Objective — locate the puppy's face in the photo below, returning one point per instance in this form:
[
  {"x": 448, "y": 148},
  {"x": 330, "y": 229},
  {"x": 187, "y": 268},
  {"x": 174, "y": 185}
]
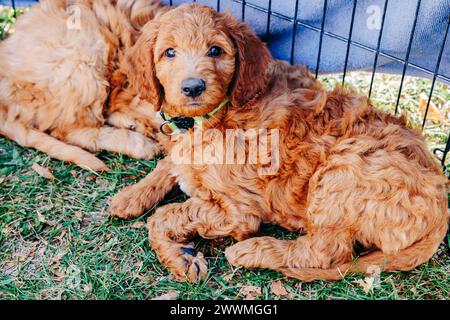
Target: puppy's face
[
  {"x": 195, "y": 62},
  {"x": 191, "y": 58}
]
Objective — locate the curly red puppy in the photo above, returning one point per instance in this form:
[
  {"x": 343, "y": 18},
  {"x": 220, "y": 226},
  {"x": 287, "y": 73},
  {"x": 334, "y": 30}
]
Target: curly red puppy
[{"x": 346, "y": 171}]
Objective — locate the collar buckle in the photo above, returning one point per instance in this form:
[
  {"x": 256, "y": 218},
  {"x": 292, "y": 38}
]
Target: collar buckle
[{"x": 163, "y": 131}]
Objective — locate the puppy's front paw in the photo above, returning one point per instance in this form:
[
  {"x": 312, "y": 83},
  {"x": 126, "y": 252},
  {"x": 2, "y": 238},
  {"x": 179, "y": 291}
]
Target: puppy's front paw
[
  {"x": 193, "y": 267},
  {"x": 127, "y": 204},
  {"x": 185, "y": 263}
]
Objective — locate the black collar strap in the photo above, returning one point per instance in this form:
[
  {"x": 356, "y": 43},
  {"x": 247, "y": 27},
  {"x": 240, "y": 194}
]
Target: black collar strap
[{"x": 180, "y": 125}]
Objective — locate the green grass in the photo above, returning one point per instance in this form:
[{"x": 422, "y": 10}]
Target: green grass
[
  {"x": 58, "y": 242},
  {"x": 7, "y": 19}
]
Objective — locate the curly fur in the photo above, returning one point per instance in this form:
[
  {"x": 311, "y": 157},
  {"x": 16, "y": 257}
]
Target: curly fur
[{"x": 348, "y": 172}]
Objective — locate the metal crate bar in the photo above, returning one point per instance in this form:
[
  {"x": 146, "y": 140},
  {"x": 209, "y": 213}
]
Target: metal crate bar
[
  {"x": 322, "y": 29},
  {"x": 343, "y": 39},
  {"x": 408, "y": 52},
  {"x": 438, "y": 65},
  {"x": 377, "y": 54},
  {"x": 352, "y": 22},
  {"x": 269, "y": 16},
  {"x": 294, "y": 32},
  {"x": 444, "y": 152}
]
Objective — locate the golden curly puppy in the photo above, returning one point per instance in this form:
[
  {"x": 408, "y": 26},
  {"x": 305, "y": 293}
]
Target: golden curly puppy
[
  {"x": 337, "y": 170},
  {"x": 56, "y": 75}
]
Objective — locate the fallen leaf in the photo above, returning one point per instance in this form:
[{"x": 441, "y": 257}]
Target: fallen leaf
[
  {"x": 156, "y": 281},
  {"x": 143, "y": 278},
  {"x": 56, "y": 270},
  {"x": 42, "y": 172},
  {"x": 364, "y": 285},
  {"x": 138, "y": 225},
  {"x": 278, "y": 289},
  {"x": 228, "y": 277},
  {"x": 78, "y": 214},
  {"x": 41, "y": 217},
  {"x": 91, "y": 177},
  {"x": 101, "y": 182},
  {"x": 374, "y": 271},
  {"x": 58, "y": 256},
  {"x": 250, "y": 292},
  {"x": 372, "y": 281},
  {"x": 433, "y": 114},
  {"x": 171, "y": 295},
  {"x": 87, "y": 288}
]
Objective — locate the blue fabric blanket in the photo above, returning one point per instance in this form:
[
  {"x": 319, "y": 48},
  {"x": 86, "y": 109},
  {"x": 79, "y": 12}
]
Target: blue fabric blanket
[{"x": 433, "y": 17}]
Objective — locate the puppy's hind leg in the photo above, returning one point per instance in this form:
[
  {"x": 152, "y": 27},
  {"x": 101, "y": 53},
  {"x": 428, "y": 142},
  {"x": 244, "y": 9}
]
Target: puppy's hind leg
[
  {"x": 132, "y": 144},
  {"x": 38, "y": 140},
  {"x": 329, "y": 234},
  {"x": 321, "y": 250}
]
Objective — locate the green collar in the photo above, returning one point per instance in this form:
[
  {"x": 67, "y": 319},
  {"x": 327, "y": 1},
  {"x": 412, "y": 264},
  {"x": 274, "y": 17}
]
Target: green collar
[{"x": 179, "y": 125}]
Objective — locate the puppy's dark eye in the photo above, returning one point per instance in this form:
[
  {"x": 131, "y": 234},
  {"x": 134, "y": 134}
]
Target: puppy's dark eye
[
  {"x": 170, "y": 53},
  {"x": 215, "y": 52}
]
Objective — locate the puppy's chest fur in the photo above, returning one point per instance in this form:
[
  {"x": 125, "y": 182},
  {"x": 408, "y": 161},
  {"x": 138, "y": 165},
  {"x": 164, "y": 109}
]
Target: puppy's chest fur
[{"x": 203, "y": 170}]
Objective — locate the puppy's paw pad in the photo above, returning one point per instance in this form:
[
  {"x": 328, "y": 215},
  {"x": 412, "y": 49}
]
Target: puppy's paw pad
[{"x": 189, "y": 251}]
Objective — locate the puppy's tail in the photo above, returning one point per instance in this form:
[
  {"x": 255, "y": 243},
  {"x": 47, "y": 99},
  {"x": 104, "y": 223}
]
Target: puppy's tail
[
  {"x": 38, "y": 140},
  {"x": 406, "y": 259}
]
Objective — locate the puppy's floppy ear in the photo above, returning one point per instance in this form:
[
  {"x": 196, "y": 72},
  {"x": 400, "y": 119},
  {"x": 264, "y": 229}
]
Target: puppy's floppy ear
[
  {"x": 253, "y": 59},
  {"x": 139, "y": 65}
]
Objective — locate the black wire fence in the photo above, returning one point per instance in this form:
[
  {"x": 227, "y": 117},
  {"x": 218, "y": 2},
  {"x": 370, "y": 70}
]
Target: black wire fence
[{"x": 272, "y": 16}]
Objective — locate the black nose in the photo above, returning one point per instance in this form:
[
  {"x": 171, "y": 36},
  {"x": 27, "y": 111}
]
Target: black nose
[{"x": 193, "y": 87}]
